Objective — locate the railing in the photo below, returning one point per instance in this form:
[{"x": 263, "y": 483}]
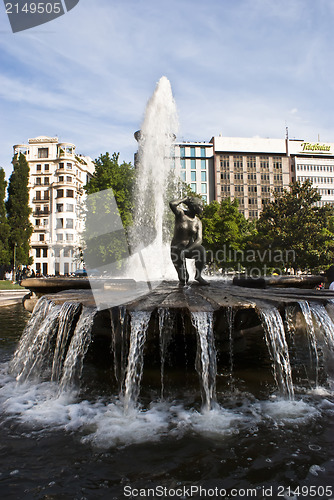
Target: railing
[
  {"x": 41, "y": 213},
  {"x": 40, "y": 200}
]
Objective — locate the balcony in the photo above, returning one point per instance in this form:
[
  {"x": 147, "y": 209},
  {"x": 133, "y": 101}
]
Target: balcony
[
  {"x": 64, "y": 183},
  {"x": 41, "y": 213},
  {"x": 40, "y": 200}
]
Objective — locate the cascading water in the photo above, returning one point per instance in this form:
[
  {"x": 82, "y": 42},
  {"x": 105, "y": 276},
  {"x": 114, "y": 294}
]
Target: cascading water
[
  {"x": 206, "y": 363},
  {"x": 134, "y": 373},
  {"x": 230, "y": 321},
  {"x": 28, "y": 339},
  {"x": 77, "y": 349},
  {"x": 314, "y": 358},
  {"x": 278, "y": 349},
  {"x": 53, "y": 344},
  {"x": 66, "y": 321},
  {"x": 324, "y": 322},
  {"x": 166, "y": 326},
  {"x": 32, "y": 356},
  {"x": 156, "y": 186}
]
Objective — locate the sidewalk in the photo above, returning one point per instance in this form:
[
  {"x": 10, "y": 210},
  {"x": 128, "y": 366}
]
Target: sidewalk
[{"x": 10, "y": 297}]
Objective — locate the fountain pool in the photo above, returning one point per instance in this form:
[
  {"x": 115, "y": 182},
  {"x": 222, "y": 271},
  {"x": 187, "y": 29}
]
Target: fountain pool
[{"x": 79, "y": 442}]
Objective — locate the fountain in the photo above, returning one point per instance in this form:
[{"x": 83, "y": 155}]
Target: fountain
[
  {"x": 138, "y": 384},
  {"x": 151, "y": 325}
]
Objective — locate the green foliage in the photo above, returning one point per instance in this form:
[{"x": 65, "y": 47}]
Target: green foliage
[
  {"x": 120, "y": 178},
  {"x": 18, "y": 210},
  {"x": 110, "y": 182},
  {"x": 225, "y": 232},
  {"x": 298, "y": 233},
  {"x": 4, "y": 226}
]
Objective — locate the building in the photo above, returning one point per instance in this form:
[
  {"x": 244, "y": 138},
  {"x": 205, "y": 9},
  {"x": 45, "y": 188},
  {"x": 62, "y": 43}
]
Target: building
[
  {"x": 194, "y": 164},
  {"x": 253, "y": 170},
  {"x": 250, "y": 170},
  {"x": 314, "y": 161},
  {"x": 57, "y": 177}
]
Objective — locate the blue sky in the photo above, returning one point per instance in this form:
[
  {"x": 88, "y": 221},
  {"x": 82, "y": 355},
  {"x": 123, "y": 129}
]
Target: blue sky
[{"x": 237, "y": 67}]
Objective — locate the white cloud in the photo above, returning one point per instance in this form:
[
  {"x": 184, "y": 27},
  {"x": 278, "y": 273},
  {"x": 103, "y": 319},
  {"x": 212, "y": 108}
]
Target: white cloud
[{"x": 240, "y": 68}]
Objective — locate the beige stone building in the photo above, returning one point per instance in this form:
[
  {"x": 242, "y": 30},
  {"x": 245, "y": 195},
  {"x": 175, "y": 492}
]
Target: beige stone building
[{"x": 57, "y": 177}]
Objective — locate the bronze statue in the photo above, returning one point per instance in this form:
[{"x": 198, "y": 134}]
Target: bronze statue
[{"x": 187, "y": 239}]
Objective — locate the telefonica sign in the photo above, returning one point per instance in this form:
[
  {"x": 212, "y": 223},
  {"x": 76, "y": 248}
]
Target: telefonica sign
[
  {"x": 321, "y": 148},
  {"x": 23, "y": 14}
]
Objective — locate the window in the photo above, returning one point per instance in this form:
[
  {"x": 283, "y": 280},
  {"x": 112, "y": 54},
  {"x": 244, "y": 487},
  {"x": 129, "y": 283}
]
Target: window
[
  {"x": 193, "y": 187},
  {"x": 59, "y": 223},
  {"x": 38, "y": 253},
  {"x": 183, "y": 176},
  {"x": 45, "y": 252},
  {"x": 38, "y": 195},
  {"x": 182, "y": 152},
  {"x": 192, "y": 152},
  {"x": 45, "y": 222},
  {"x": 237, "y": 161},
  {"x": 57, "y": 252},
  {"x": 68, "y": 178},
  {"x": 225, "y": 161},
  {"x": 61, "y": 178},
  {"x": 69, "y": 207},
  {"x": 46, "y": 181},
  {"x": 60, "y": 193},
  {"x": 69, "y": 223},
  {"x": 193, "y": 176},
  {"x": 203, "y": 188},
  {"x": 41, "y": 237},
  {"x": 192, "y": 164},
  {"x": 69, "y": 193},
  {"x": 264, "y": 162},
  {"x": 69, "y": 237},
  {"x": 203, "y": 176},
  {"x": 43, "y": 152},
  {"x": 59, "y": 207},
  {"x": 251, "y": 162},
  {"x": 38, "y": 168},
  {"x": 46, "y": 167},
  {"x": 61, "y": 165},
  {"x": 203, "y": 164},
  {"x": 67, "y": 252},
  {"x": 183, "y": 163},
  {"x": 38, "y": 181},
  {"x": 205, "y": 198},
  {"x": 60, "y": 237},
  {"x": 37, "y": 222},
  {"x": 69, "y": 166},
  {"x": 202, "y": 151}
]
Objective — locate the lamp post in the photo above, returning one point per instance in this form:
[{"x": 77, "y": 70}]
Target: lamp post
[{"x": 14, "y": 270}]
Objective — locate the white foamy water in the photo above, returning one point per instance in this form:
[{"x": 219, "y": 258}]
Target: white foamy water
[{"x": 105, "y": 424}]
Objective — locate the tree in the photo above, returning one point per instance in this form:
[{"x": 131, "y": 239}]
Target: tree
[
  {"x": 295, "y": 232},
  {"x": 225, "y": 231},
  {"x": 105, "y": 238},
  {"x": 18, "y": 210},
  {"x": 4, "y": 226},
  {"x": 120, "y": 178}
]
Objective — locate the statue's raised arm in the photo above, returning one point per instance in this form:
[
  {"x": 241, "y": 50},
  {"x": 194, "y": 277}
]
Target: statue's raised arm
[{"x": 187, "y": 239}]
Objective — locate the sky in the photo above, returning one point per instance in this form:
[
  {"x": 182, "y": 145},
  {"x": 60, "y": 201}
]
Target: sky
[{"x": 240, "y": 68}]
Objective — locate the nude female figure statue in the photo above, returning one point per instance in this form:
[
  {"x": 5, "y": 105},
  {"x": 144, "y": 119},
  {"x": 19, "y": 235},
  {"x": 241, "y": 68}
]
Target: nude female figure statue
[{"x": 187, "y": 239}]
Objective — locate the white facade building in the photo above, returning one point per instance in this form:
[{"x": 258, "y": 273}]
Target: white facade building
[
  {"x": 314, "y": 161},
  {"x": 57, "y": 177}
]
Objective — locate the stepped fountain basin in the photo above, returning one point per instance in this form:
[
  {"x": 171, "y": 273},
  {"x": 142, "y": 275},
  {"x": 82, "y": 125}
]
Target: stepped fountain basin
[{"x": 257, "y": 333}]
